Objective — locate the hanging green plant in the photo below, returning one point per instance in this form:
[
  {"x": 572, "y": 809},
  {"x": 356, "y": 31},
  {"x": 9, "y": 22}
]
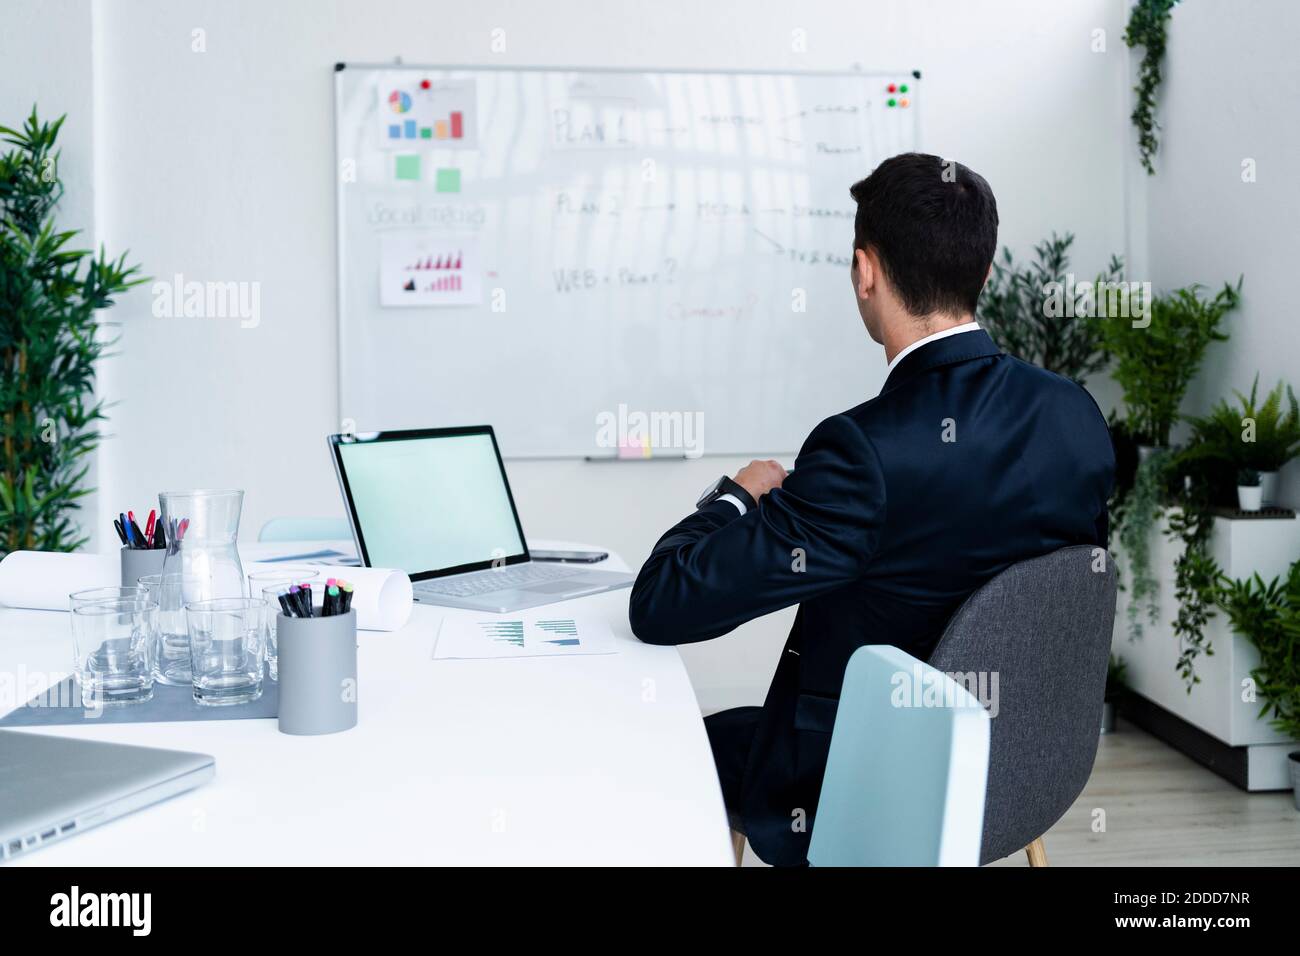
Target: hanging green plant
[
  {"x": 1196, "y": 577},
  {"x": 1135, "y": 515},
  {"x": 1148, "y": 26}
]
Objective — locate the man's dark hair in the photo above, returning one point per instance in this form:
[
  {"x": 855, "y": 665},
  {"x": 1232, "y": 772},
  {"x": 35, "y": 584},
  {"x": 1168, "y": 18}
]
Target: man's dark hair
[{"x": 934, "y": 225}]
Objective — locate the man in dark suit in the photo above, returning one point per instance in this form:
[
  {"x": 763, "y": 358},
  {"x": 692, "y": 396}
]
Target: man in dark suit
[{"x": 897, "y": 510}]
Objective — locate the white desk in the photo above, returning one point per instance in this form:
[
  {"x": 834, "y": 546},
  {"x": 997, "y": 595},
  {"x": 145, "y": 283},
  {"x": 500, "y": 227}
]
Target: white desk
[{"x": 568, "y": 760}]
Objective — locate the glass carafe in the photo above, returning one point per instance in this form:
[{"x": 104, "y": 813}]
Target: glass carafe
[{"x": 202, "y": 564}]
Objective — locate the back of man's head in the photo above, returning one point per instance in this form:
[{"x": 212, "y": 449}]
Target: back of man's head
[{"x": 933, "y": 224}]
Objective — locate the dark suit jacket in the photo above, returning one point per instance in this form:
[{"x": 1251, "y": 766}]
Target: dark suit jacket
[{"x": 968, "y": 461}]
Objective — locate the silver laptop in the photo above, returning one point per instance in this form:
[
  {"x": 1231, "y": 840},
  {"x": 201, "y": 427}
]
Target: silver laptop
[
  {"x": 435, "y": 503},
  {"x": 52, "y": 788}
]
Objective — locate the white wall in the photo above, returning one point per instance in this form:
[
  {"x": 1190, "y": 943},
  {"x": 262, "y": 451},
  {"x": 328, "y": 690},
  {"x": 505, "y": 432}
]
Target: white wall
[
  {"x": 218, "y": 166},
  {"x": 1232, "y": 85}
]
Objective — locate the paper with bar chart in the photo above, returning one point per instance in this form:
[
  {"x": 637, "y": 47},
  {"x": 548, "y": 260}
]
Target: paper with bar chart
[
  {"x": 420, "y": 111},
  {"x": 419, "y": 269},
  {"x": 521, "y": 635}
]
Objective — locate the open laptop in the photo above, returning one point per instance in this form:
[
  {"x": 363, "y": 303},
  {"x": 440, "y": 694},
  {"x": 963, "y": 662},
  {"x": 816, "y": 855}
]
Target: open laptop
[
  {"x": 52, "y": 788},
  {"x": 435, "y": 503}
]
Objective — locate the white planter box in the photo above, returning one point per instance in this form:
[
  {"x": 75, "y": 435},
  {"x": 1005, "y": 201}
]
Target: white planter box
[{"x": 1242, "y": 547}]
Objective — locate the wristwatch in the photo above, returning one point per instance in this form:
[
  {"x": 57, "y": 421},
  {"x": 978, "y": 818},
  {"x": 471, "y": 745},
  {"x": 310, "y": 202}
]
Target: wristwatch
[{"x": 726, "y": 486}]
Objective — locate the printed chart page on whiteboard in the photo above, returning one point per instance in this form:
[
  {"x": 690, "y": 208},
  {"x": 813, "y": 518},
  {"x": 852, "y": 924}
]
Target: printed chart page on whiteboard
[{"x": 598, "y": 260}]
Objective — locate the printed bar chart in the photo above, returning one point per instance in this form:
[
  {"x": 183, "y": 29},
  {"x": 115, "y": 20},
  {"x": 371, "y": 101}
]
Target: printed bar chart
[
  {"x": 504, "y": 632},
  {"x": 427, "y": 113},
  {"x": 566, "y": 631}
]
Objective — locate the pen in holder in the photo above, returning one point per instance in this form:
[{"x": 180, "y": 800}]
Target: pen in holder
[
  {"x": 139, "y": 562},
  {"x": 318, "y": 673}
]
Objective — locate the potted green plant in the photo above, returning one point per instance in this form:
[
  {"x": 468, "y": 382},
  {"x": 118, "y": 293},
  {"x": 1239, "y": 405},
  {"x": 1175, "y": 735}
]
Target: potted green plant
[
  {"x": 1012, "y": 310},
  {"x": 1249, "y": 492},
  {"x": 1276, "y": 438},
  {"x": 50, "y": 342},
  {"x": 1249, "y": 434},
  {"x": 1115, "y": 670},
  {"x": 1158, "y": 355},
  {"x": 1268, "y": 615}
]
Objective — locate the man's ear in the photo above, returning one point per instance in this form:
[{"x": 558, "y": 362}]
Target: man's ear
[{"x": 866, "y": 283}]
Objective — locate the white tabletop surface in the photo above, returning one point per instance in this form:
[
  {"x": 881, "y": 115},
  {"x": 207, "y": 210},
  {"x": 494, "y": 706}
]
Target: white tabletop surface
[{"x": 564, "y": 760}]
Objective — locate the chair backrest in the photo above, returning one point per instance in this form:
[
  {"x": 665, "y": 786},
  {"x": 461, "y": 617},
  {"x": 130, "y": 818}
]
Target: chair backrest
[
  {"x": 1041, "y": 629},
  {"x": 904, "y": 782},
  {"x": 305, "y": 529}
]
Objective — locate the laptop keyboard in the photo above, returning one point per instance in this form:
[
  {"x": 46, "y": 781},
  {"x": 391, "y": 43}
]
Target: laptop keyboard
[{"x": 496, "y": 579}]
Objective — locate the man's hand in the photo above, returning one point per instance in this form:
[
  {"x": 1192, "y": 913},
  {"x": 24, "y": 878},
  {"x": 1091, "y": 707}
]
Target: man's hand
[{"x": 760, "y": 477}]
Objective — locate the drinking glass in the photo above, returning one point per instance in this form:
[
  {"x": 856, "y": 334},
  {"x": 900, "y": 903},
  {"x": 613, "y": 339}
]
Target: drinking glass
[
  {"x": 113, "y": 644},
  {"x": 172, "y": 662},
  {"x": 99, "y": 595},
  {"x": 267, "y": 585},
  {"x": 202, "y": 564},
  {"x": 226, "y": 649}
]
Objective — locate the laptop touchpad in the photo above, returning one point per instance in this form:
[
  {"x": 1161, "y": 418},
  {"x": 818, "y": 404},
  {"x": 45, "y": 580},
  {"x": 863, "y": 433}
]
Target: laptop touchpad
[{"x": 560, "y": 586}]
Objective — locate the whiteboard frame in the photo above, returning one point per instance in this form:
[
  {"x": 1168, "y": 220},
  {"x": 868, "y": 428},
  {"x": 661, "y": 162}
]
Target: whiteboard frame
[{"x": 343, "y": 66}]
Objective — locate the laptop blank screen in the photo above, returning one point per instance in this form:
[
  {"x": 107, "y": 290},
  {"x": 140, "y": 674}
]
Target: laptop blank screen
[{"x": 431, "y": 504}]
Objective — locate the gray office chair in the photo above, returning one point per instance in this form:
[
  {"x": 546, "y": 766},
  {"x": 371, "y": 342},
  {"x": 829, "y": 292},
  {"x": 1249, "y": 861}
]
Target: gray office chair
[{"x": 1044, "y": 627}]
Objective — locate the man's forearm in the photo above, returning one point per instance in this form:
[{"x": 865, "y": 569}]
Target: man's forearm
[{"x": 667, "y": 605}]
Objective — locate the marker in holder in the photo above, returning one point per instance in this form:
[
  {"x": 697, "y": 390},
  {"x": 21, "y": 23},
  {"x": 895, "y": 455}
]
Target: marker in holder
[{"x": 318, "y": 673}]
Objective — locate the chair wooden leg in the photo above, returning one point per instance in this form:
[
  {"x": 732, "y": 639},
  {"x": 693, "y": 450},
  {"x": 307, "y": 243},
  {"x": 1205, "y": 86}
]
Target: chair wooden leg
[
  {"x": 738, "y": 844},
  {"x": 1037, "y": 853}
]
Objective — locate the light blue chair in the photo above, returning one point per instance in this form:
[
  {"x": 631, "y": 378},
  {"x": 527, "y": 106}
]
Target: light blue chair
[
  {"x": 908, "y": 765},
  {"x": 306, "y": 529}
]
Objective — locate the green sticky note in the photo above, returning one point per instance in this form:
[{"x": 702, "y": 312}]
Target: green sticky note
[
  {"x": 408, "y": 167},
  {"x": 448, "y": 181},
  {"x": 426, "y": 132}
]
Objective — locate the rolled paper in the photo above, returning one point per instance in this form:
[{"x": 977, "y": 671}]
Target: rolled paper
[
  {"x": 42, "y": 581},
  {"x": 382, "y": 597}
]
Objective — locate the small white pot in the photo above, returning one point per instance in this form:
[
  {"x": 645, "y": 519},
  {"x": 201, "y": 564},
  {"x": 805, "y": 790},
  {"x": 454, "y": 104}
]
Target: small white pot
[
  {"x": 1268, "y": 488},
  {"x": 1249, "y": 499}
]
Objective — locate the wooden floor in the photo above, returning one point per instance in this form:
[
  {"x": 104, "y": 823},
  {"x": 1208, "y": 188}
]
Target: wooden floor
[{"x": 1163, "y": 809}]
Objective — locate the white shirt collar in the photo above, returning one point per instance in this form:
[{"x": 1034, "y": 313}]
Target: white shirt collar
[{"x": 955, "y": 330}]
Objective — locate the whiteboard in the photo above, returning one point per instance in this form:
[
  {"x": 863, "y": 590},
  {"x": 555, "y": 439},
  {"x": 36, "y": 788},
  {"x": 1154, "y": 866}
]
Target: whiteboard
[{"x": 604, "y": 262}]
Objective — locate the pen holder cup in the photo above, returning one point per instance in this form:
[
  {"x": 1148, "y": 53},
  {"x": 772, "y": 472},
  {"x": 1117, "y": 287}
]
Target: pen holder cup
[
  {"x": 138, "y": 562},
  {"x": 318, "y": 673}
]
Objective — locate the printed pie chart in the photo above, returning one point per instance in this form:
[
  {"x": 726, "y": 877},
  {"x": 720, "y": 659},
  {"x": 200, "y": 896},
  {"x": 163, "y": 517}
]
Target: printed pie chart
[{"x": 399, "y": 102}]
